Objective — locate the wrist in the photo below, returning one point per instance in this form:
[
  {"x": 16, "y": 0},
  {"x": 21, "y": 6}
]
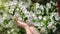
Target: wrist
[{"x": 26, "y": 27}]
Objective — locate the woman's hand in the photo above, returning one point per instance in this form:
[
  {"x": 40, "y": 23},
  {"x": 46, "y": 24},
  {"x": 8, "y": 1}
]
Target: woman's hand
[
  {"x": 24, "y": 25},
  {"x": 29, "y": 29},
  {"x": 21, "y": 23}
]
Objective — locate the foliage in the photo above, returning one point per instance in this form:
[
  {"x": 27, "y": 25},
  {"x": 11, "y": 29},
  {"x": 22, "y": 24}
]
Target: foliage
[{"x": 42, "y": 14}]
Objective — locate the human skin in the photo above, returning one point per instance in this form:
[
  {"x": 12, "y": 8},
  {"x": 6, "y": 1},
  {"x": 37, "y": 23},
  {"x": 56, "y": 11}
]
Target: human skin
[
  {"x": 28, "y": 29},
  {"x": 34, "y": 30},
  {"x": 23, "y": 25}
]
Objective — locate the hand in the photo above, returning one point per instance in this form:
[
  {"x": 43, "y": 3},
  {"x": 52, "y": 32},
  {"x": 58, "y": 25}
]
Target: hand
[{"x": 21, "y": 23}]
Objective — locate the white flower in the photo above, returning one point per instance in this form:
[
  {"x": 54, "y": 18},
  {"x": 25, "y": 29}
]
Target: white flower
[
  {"x": 37, "y": 24},
  {"x": 6, "y": 4},
  {"x": 37, "y": 5},
  {"x": 12, "y": 30},
  {"x": 50, "y": 25},
  {"x": 11, "y": 11},
  {"x": 17, "y": 9},
  {"x": 8, "y": 32},
  {"x": 27, "y": 14},
  {"x": 43, "y": 29},
  {"x": 4, "y": 16},
  {"x": 44, "y": 18},
  {"x": 48, "y": 5},
  {"x": 33, "y": 15},
  {"x": 42, "y": 7},
  {"x": 10, "y": 24},
  {"x": 51, "y": 2},
  {"x": 54, "y": 28},
  {"x": 37, "y": 12},
  {"x": 1, "y": 20},
  {"x": 23, "y": 7},
  {"x": 11, "y": 3},
  {"x": 25, "y": 10},
  {"x": 57, "y": 17},
  {"x": 15, "y": 2},
  {"x": 20, "y": 3},
  {"x": 41, "y": 24},
  {"x": 40, "y": 17},
  {"x": 52, "y": 14},
  {"x": 17, "y": 14}
]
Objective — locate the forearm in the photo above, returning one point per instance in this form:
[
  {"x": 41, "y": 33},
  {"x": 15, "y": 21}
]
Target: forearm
[
  {"x": 34, "y": 30},
  {"x": 28, "y": 31}
]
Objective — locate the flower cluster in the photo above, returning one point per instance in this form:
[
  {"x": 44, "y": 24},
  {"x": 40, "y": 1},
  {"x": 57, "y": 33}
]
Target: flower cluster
[{"x": 44, "y": 16}]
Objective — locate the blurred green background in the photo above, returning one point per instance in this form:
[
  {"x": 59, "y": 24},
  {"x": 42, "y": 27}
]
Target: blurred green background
[{"x": 43, "y": 14}]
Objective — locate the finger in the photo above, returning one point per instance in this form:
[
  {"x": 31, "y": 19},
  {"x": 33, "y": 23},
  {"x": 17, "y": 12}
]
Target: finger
[{"x": 19, "y": 21}]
